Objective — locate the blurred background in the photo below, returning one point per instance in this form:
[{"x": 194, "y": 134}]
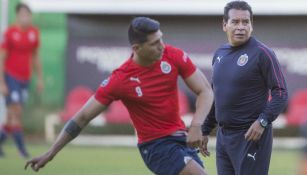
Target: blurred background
[{"x": 83, "y": 41}]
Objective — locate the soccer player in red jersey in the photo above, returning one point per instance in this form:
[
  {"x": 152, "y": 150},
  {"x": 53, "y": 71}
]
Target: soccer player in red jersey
[
  {"x": 147, "y": 85},
  {"x": 18, "y": 54}
]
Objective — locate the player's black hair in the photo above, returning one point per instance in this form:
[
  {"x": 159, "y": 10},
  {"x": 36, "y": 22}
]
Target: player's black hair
[
  {"x": 20, "y": 6},
  {"x": 140, "y": 28},
  {"x": 238, "y": 5}
]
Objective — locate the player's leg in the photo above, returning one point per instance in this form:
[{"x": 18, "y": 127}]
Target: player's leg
[
  {"x": 15, "y": 100},
  {"x": 170, "y": 156},
  {"x": 15, "y": 111},
  {"x": 3, "y": 116},
  {"x": 193, "y": 168},
  {"x": 257, "y": 155},
  {"x": 3, "y": 136},
  {"x": 193, "y": 164},
  {"x": 5, "y": 128},
  {"x": 223, "y": 163}
]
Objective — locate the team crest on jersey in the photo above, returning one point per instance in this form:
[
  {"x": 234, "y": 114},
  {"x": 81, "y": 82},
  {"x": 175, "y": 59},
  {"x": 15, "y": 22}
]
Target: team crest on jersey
[
  {"x": 105, "y": 82},
  {"x": 242, "y": 60},
  {"x": 32, "y": 36},
  {"x": 165, "y": 67}
]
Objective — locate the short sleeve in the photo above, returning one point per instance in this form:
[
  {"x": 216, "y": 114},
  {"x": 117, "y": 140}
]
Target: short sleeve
[
  {"x": 108, "y": 90},
  {"x": 5, "y": 41},
  {"x": 37, "y": 43},
  {"x": 183, "y": 62}
]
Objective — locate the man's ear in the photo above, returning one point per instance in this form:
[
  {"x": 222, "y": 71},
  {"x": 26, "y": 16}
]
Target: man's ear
[
  {"x": 224, "y": 25},
  {"x": 135, "y": 47}
]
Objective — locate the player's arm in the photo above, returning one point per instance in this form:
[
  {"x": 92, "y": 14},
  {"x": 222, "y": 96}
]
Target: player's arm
[
  {"x": 3, "y": 87},
  {"x": 208, "y": 125},
  {"x": 71, "y": 130},
  {"x": 199, "y": 84},
  {"x": 210, "y": 122},
  {"x": 274, "y": 79},
  {"x": 37, "y": 68}
]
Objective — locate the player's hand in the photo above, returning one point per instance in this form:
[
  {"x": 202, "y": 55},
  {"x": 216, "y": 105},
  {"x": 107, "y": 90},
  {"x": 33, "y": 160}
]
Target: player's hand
[
  {"x": 40, "y": 85},
  {"x": 39, "y": 162},
  {"x": 194, "y": 138},
  {"x": 204, "y": 147},
  {"x": 255, "y": 131},
  {"x": 3, "y": 89}
]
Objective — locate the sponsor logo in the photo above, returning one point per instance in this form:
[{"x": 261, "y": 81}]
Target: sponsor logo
[
  {"x": 253, "y": 156},
  {"x": 219, "y": 58},
  {"x": 145, "y": 151},
  {"x": 105, "y": 82},
  {"x": 15, "y": 96},
  {"x": 135, "y": 79}
]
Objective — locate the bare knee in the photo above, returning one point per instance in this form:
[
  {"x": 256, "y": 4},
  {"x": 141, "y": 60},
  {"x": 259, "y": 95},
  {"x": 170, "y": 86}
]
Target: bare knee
[
  {"x": 14, "y": 114},
  {"x": 193, "y": 168},
  {"x": 15, "y": 109}
]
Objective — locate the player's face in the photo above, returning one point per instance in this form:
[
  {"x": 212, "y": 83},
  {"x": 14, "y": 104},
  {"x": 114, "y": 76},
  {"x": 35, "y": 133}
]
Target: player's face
[
  {"x": 238, "y": 27},
  {"x": 153, "y": 48},
  {"x": 24, "y": 17}
]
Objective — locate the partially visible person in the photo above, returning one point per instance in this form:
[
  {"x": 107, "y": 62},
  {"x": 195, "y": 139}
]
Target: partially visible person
[
  {"x": 303, "y": 163},
  {"x": 18, "y": 56},
  {"x": 245, "y": 73}
]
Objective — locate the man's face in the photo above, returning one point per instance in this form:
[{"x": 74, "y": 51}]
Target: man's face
[
  {"x": 153, "y": 48},
  {"x": 24, "y": 17},
  {"x": 238, "y": 27}
]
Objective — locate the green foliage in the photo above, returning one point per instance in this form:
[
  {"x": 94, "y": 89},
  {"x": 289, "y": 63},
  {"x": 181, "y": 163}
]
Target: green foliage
[
  {"x": 52, "y": 53},
  {"x": 12, "y": 13}
]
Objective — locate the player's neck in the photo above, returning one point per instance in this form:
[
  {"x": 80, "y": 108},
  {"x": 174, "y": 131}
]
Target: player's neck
[
  {"x": 22, "y": 27},
  {"x": 142, "y": 62}
]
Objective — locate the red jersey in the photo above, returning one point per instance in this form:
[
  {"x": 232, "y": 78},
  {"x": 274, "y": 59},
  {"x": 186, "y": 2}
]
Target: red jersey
[
  {"x": 20, "y": 46},
  {"x": 150, "y": 93}
]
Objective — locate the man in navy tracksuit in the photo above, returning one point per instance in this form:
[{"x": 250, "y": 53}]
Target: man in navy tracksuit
[{"x": 245, "y": 73}]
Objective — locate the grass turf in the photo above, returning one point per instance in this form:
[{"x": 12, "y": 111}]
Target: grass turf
[{"x": 81, "y": 160}]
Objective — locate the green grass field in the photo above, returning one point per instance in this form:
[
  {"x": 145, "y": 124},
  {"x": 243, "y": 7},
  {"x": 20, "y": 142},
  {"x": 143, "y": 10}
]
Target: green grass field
[{"x": 81, "y": 160}]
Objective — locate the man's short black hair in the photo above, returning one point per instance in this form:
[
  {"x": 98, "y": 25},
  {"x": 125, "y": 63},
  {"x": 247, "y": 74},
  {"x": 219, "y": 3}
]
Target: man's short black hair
[
  {"x": 238, "y": 5},
  {"x": 20, "y": 6},
  {"x": 140, "y": 28}
]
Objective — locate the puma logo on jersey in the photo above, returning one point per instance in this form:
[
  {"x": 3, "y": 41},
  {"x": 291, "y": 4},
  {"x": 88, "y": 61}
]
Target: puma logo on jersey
[
  {"x": 135, "y": 79},
  {"x": 252, "y": 156},
  {"x": 219, "y": 58}
]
